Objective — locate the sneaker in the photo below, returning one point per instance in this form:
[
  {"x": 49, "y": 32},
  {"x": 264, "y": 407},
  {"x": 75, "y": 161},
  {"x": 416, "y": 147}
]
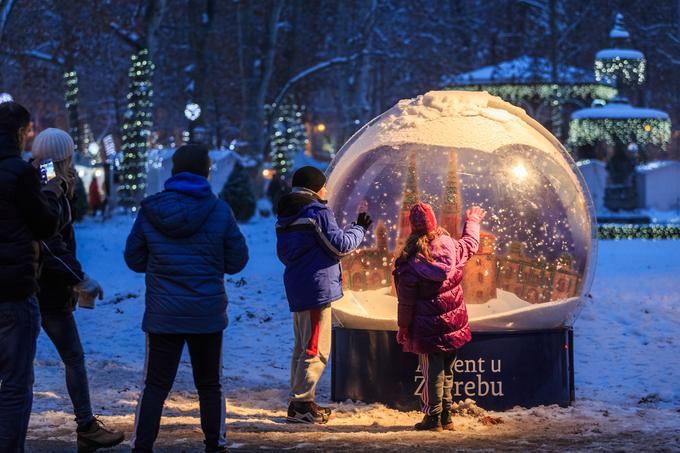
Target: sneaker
[
  {"x": 325, "y": 410},
  {"x": 95, "y": 436},
  {"x": 306, "y": 412},
  {"x": 447, "y": 420},
  {"x": 430, "y": 423}
]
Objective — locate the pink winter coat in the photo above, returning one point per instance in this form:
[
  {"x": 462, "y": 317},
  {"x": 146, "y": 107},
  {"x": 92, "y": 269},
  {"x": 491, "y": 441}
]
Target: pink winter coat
[{"x": 430, "y": 297}]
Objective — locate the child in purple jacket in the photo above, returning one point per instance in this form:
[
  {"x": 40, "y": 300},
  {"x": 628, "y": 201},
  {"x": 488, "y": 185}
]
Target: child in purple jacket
[{"x": 432, "y": 317}]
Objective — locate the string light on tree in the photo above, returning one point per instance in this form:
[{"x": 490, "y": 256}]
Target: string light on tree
[
  {"x": 72, "y": 103},
  {"x": 136, "y": 130},
  {"x": 287, "y": 137}
]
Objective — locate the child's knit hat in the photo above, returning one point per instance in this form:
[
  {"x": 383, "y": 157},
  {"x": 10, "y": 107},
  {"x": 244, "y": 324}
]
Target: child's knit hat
[
  {"x": 422, "y": 219},
  {"x": 309, "y": 178},
  {"x": 52, "y": 144}
]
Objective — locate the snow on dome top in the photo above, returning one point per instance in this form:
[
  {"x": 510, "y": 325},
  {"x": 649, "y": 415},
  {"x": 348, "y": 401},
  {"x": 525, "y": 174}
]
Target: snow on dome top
[{"x": 453, "y": 119}]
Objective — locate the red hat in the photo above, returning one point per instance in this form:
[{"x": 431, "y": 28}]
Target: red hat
[{"x": 422, "y": 219}]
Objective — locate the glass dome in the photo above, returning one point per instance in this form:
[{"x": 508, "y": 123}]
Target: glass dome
[{"x": 457, "y": 149}]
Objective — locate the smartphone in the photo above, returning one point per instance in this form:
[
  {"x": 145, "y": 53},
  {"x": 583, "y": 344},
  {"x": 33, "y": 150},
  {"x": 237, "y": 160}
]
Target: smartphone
[{"x": 47, "y": 172}]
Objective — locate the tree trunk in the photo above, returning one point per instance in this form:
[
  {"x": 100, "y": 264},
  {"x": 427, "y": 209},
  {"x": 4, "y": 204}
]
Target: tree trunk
[{"x": 256, "y": 64}]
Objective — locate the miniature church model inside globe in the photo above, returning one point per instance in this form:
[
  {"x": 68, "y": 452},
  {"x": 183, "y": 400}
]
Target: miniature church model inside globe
[{"x": 456, "y": 149}]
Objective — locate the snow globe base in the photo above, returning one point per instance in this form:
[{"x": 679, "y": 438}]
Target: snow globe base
[{"x": 498, "y": 370}]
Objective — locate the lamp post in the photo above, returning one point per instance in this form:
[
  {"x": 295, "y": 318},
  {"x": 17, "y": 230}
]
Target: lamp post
[{"x": 192, "y": 111}]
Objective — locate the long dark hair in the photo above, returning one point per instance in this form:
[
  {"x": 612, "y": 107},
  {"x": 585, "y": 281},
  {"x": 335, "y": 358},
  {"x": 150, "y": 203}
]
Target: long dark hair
[
  {"x": 13, "y": 117},
  {"x": 420, "y": 243}
]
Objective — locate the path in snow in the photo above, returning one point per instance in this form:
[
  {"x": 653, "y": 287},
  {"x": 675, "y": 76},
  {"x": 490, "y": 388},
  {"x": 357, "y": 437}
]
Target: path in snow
[{"x": 626, "y": 342}]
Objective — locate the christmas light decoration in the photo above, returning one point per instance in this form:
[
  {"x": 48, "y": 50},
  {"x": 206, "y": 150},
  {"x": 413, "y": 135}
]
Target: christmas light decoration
[
  {"x": 72, "y": 103},
  {"x": 618, "y": 121},
  {"x": 629, "y": 70},
  {"x": 136, "y": 130},
  {"x": 620, "y": 64},
  {"x": 287, "y": 137},
  {"x": 514, "y": 92},
  {"x": 635, "y": 231},
  {"x": 588, "y": 131},
  {"x": 192, "y": 111}
]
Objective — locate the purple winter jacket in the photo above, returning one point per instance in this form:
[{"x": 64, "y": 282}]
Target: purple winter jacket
[{"x": 431, "y": 304}]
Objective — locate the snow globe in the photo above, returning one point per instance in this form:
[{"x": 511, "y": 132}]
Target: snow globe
[{"x": 525, "y": 286}]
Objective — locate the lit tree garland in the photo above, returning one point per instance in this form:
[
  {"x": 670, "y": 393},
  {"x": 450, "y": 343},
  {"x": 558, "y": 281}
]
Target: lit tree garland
[
  {"x": 628, "y": 70},
  {"x": 288, "y": 136},
  {"x": 620, "y": 64},
  {"x": 630, "y": 231},
  {"x": 588, "y": 131},
  {"x": 136, "y": 130},
  {"x": 71, "y": 97},
  {"x": 513, "y": 92}
]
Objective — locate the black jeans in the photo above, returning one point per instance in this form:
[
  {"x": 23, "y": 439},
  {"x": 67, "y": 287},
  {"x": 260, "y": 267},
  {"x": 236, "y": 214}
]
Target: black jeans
[
  {"x": 163, "y": 355},
  {"x": 62, "y": 330},
  {"x": 19, "y": 329}
]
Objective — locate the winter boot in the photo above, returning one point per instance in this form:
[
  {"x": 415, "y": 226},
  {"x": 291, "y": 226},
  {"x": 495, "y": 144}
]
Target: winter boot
[
  {"x": 447, "y": 419},
  {"x": 306, "y": 412},
  {"x": 94, "y": 436},
  {"x": 324, "y": 410},
  {"x": 430, "y": 423}
]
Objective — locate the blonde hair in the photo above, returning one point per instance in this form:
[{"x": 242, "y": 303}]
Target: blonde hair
[
  {"x": 420, "y": 243},
  {"x": 61, "y": 167}
]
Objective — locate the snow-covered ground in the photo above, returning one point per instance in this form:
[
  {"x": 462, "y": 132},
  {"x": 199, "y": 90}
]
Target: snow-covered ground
[{"x": 626, "y": 347}]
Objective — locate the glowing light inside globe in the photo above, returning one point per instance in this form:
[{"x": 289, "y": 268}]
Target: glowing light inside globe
[
  {"x": 455, "y": 150},
  {"x": 519, "y": 171}
]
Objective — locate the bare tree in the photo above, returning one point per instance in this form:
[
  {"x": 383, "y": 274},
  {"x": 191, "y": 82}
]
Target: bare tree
[{"x": 257, "y": 51}]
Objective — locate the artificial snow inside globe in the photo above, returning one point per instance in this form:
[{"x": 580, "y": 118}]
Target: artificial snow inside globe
[{"x": 456, "y": 149}]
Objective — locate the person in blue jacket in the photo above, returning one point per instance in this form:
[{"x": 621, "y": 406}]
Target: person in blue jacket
[
  {"x": 185, "y": 239},
  {"x": 310, "y": 244}
]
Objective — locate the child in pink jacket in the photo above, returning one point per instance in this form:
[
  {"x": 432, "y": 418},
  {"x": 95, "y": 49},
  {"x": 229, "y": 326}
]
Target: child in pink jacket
[{"x": 433, "y": 320}]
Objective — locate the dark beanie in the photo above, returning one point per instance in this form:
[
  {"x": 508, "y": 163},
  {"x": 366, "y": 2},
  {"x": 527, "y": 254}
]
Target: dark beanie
[
  {"x": 309, "y": 178},
  {"x": 191, "y": 158}
]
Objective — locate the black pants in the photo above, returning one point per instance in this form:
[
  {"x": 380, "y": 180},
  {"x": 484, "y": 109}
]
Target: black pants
[
  {"x": 437, "y": 370},
  {"x": 163, "y": 355}
]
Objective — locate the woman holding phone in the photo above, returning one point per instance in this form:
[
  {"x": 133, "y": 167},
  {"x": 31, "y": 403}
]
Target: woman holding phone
[{"x": 61, "y": 280}]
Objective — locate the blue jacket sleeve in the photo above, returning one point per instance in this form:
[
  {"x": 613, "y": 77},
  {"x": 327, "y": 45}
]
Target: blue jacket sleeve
[
  {"x": 136, "y": 250},
  {"x": 235, "y": 248},
  {"x": 343, "y": 241}
]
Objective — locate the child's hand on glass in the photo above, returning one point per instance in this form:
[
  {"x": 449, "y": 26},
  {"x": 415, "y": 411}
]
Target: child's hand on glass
[
  {"x": 475, "y": 214},
  {"x": 402, "y": 335}
]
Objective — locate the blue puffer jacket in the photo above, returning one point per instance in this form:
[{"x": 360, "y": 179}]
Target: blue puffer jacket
[
  {"x": 185, "y": 239},
  {"x": 310, "y": 244}
]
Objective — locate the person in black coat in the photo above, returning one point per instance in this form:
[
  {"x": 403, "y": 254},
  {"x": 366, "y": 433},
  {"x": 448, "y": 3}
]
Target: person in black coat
[
  {"x": 28, "y": 213},
  {"x": 61, "y": 282}
]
